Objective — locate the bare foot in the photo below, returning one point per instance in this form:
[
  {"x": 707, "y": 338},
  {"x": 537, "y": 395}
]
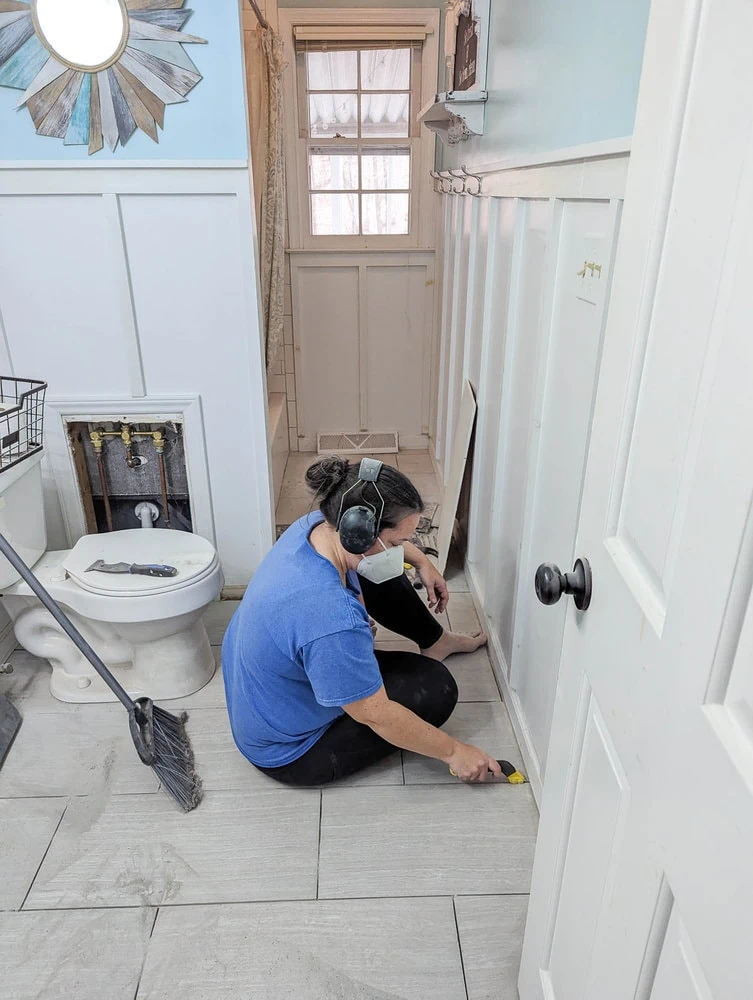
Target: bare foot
[{"x": 454, "y": 642}]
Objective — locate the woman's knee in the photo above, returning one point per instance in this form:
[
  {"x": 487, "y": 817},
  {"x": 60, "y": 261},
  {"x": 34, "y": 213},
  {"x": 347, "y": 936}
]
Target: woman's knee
[
  {"x": 427, "y": 688},
  {"x": 446, "y": 694}
]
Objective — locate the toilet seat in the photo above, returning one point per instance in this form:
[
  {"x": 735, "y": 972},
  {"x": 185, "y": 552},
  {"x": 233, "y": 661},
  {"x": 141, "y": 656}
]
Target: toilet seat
[{"x": 193, "y": 556}]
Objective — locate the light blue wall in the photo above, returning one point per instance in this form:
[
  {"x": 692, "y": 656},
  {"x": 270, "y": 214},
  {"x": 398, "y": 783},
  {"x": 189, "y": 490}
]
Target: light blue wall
[
  {"x": 211, "y": 125},
  {"x": 559, "y": 74}
]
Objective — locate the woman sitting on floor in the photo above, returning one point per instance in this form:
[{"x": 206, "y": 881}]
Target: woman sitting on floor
[{"x": 309, "y": 699}]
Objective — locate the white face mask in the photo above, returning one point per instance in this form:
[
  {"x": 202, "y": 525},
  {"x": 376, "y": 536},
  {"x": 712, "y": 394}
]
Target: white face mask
[{"x": 383, "y": 566}]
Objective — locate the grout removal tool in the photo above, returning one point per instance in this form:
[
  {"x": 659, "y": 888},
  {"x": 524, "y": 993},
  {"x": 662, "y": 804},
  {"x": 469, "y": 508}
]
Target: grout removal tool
[
  {"x": 153, "y": 569},
  {"x": 510, "y": 773}
]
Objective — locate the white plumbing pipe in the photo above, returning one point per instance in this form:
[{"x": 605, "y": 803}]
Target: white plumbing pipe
[{"x": 147, "y": 513}]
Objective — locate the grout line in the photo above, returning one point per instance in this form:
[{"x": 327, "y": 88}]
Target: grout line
[
  {"x": 93, "y": 909},
  {"x": 47, "y": 851},
  {"x": 74, "y": 795},
  {"x": 146, "y": 950},
  {"x": 319, "y": 843},
  {"x": 333, "y": 787},
  {"x": 271, "y": 902},
  {"x": 460, "y": 947}
]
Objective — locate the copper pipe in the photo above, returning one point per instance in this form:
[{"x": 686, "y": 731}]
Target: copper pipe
[
  {"x": 103, "y": 483},
  {"x": 159, "y": 444}
]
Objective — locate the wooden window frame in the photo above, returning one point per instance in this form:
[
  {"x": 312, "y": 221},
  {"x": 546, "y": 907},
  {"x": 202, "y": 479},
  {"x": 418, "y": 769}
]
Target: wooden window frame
[{"x": 356, "y": 24}]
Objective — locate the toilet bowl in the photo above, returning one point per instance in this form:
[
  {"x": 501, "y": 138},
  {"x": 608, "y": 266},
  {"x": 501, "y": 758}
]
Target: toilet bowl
[{"x": 148, "y": 630}]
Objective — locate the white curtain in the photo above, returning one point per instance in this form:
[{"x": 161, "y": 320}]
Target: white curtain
[{"x": 381, "y": 69}]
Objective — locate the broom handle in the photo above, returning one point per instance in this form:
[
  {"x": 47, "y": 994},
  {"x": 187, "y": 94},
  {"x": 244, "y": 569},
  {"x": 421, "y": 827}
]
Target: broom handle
[{"x": 63, "y": 621}]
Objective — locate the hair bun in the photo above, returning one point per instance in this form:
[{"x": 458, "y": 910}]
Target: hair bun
[{"x": 326, "y": 475}]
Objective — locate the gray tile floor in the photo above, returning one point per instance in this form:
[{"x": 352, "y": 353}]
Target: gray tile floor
[{"x": 399, "y": 883}]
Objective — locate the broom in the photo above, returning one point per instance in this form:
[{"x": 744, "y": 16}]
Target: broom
[{"x": 159, "y": 737}]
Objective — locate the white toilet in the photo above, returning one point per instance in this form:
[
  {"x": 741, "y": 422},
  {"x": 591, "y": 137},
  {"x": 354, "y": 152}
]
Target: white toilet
[{"x": 148, "y": 630}]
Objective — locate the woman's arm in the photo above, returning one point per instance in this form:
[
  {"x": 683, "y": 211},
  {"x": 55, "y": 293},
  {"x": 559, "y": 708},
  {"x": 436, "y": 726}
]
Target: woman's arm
[
  {"x": 403, "y": 728},
  {"x": 414, "y": 555},
  {"x": 432, "y": 579}
]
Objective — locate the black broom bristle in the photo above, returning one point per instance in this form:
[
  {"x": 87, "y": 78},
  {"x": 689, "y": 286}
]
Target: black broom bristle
[
  {"x": 173, "y": 759},
  {"x": 162, "y": 743}
]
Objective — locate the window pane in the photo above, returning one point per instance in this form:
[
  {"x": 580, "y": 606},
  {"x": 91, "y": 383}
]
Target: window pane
[
  {"x": 334, "y": 170},
  {"x": 334, "y": 214},
  {"x": 385, "y": 167},
  {"x": 385, "y": 69},
  {"x": 385, "y": 213},
  {"x": 331, "y": 115},
  {"x": 384, "y": 115},
  {"x": 332, "y": 70}
]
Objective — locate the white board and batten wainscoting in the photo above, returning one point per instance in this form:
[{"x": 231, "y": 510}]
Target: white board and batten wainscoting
[
  {"x": 523, "y": 324},
  {"x": 131, "y": 289}
]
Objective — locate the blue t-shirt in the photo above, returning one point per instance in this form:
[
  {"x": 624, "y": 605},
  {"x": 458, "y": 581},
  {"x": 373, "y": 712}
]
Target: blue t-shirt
[{"x": 297, "y": 649}]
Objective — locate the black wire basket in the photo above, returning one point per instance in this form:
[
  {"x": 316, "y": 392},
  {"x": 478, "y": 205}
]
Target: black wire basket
[{"x": 21, "y": 419}]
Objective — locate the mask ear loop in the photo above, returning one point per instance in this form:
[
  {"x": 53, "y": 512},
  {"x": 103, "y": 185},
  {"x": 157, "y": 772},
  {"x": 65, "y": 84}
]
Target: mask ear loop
[{"x": 381, "y": 512}]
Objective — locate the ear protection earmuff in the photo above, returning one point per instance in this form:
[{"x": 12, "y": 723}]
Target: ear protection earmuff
[{"x": 358, "y": 527}]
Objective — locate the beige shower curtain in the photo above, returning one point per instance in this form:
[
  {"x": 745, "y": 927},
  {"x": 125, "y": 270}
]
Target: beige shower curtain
[{"x": 264, "y": 62}]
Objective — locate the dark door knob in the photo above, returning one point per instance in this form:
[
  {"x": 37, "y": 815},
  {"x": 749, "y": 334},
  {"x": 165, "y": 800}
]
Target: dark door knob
[{"x": 552, "y": 583}]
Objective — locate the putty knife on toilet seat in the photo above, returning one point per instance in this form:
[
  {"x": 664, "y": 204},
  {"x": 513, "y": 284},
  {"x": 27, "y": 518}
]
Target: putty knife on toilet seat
[{"x": 153, "y": 569}]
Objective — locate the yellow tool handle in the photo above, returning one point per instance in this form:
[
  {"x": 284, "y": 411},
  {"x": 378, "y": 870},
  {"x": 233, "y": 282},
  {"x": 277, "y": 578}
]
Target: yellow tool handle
[{"x": 510, "y": 772}]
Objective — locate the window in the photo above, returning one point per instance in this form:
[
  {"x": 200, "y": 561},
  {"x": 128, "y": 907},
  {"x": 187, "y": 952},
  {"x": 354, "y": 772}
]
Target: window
[{"x": 357, "y": 108}]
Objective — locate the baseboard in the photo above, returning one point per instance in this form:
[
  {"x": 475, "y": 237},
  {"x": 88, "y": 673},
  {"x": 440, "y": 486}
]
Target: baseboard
[
  {"x": 7, "y": 642},
  {"x": 509, "y": 696}
]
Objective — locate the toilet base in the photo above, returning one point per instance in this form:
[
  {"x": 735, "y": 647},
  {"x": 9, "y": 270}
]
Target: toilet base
[{"x": 162, "y": 660}]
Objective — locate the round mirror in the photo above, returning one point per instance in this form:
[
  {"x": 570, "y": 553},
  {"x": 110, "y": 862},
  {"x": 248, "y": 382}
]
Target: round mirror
[{"x": 83, "y": 34}]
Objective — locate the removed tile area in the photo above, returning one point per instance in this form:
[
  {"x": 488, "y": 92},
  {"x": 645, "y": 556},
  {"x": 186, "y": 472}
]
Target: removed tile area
[
  {"x": 385, "y": 949},
  {"x": 491, "y": 937},
  {"x": 86, "y": 954},
  {"x": 140, "y": 850},
  {"x": 426, "y": 841},
  {"x": 26, "y": 829}
]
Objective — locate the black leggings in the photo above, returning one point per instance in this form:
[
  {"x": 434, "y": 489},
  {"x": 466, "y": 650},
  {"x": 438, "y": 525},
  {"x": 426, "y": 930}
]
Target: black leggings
[{"x": 422, "y": 684}]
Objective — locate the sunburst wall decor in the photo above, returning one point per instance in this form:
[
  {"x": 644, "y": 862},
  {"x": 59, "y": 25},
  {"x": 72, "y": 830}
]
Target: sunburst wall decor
[{"x": 94, "y": 71}]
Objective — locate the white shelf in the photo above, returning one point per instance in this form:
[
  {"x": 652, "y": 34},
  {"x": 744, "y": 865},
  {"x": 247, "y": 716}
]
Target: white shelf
[{"x": 456, "y": 115}]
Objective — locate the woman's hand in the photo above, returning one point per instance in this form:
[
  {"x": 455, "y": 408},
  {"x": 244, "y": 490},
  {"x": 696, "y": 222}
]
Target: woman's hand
[
  {"x": 471, "y": 764},
  {"x": 436, "y": 588}
]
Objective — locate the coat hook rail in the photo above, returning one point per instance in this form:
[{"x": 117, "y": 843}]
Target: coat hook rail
[{"x": 457, "y": 181}]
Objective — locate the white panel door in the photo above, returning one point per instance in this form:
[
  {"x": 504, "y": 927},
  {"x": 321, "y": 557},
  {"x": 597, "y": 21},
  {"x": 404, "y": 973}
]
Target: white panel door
[
  {"x": 643, "y": 878},
  {"x": 326, "y": 319},
  {"x": 395, "y": 338},
  {"x": 362, "y": 325}
]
